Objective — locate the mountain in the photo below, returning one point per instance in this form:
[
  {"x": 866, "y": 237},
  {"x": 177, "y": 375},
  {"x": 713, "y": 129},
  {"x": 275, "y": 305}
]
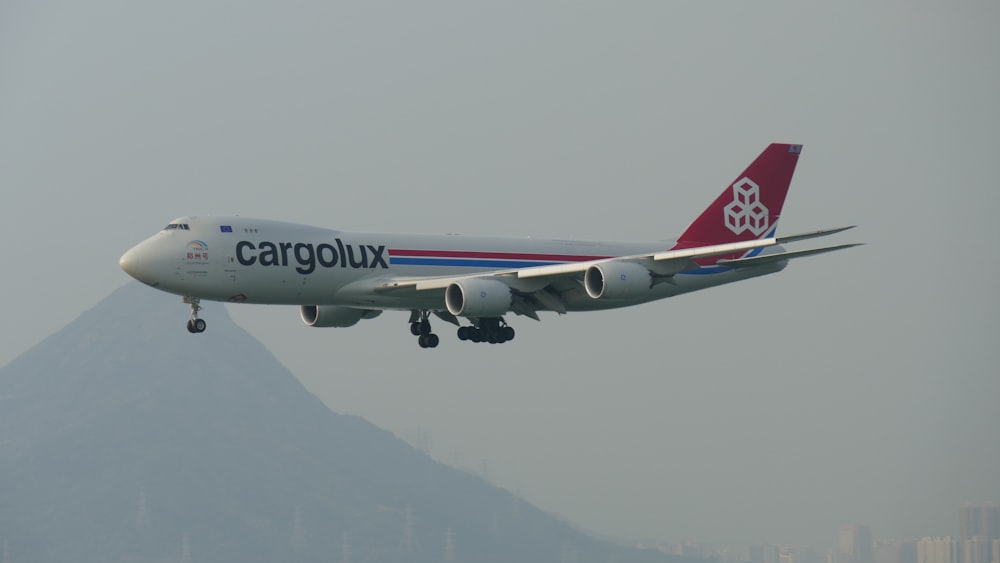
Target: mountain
[{"x": 124, "y": 438}]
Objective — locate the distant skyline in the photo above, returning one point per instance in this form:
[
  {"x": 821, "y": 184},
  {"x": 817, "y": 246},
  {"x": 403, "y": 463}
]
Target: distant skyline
[{"x": 855, "y": 388}]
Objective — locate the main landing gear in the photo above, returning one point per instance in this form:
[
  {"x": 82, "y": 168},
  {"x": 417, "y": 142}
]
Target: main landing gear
[
  {"x": 194, "y": 324},
  {"x": 421, "y": 328},
  {"x": 492, "y": 330}
]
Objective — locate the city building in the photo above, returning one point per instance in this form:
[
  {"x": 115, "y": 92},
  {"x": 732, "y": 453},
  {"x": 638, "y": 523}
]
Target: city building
[
  {"x": 855, "y": 545},
  {"x": 937, "y": 550},
  {"x": 895, "y": 551},
  {"x": 979, "y": 521}
]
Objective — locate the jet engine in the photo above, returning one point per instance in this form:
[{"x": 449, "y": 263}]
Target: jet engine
[
  {"x": 478, "y": 298},
  {"x": 333, "y": 315},
  {"x": 616, "y": 280}
]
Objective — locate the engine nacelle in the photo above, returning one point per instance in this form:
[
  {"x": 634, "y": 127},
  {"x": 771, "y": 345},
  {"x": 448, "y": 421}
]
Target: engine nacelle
[
  {"x": 478, "y": 298},
  {"x": 334, "y": 315},
  {"x": 616, "y": 280}
]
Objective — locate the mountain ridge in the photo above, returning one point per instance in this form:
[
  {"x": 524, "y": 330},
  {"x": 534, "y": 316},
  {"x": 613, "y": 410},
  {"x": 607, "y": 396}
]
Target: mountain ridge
[{"x": 124, "y": 437}]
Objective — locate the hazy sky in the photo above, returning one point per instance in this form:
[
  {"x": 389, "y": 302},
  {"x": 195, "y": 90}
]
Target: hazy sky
[{"x": 857, "y": 387}]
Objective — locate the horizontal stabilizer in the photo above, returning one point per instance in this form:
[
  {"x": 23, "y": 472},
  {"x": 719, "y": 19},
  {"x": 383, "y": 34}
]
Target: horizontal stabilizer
[{"x": 771, "y": 258}]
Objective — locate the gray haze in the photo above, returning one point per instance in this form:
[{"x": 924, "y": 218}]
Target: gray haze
[{"x": 858, "y": 387}]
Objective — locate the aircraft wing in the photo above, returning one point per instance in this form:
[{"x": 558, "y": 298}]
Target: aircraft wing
[
  {"x": 667, "y": 262},
  {"x": 537, "y": 281},
  {"x": 681, "y": 260}
]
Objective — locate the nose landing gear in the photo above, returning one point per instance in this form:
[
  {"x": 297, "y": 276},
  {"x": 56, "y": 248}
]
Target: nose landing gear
[{"x": 194, "y": 324}]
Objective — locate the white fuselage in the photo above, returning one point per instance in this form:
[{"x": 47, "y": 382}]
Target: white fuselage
[{"x": 272, "y": 262}]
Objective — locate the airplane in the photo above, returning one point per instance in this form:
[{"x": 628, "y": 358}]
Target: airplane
[{"x": 339, "y": 278}]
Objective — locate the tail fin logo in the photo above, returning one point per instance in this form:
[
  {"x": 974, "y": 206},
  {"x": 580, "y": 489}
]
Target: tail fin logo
[{"x": 746, "y": 212}]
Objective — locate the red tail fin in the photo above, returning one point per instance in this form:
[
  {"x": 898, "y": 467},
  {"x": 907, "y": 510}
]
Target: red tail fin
[{"x": 748, "y": 208}]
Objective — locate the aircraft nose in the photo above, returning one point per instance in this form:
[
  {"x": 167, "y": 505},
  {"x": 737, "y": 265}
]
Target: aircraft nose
[
  {"x": 137, "y": 264},
  {"x": 128, "y": 262}
]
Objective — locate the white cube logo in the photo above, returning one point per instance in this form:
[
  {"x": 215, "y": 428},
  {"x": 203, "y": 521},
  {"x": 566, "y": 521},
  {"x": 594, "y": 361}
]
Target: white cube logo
[{"x": 746, "y": 212}]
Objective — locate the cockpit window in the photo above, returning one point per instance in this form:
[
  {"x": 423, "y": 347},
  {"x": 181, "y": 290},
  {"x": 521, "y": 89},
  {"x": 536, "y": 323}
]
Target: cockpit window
[{"x": 181, "y": 226}]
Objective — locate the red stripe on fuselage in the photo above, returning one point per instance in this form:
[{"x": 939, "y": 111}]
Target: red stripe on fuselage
[{"x": 493, "y": 255}]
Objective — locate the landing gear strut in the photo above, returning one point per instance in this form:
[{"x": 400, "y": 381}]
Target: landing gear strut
[
  {"x": 194, "y": 324},
  {"x": 421, "y": 328},
  {"x": 493, "y": 330}
]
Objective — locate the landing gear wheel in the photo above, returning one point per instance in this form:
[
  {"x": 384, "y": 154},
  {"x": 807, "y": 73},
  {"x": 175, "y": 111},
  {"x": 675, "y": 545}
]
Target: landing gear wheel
[
  {"x": 194, "y": 324},
  {"x": 508, "y": 333},
  {"x": 422, "y": 330},
  {"x": 493, "y": 330}
]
